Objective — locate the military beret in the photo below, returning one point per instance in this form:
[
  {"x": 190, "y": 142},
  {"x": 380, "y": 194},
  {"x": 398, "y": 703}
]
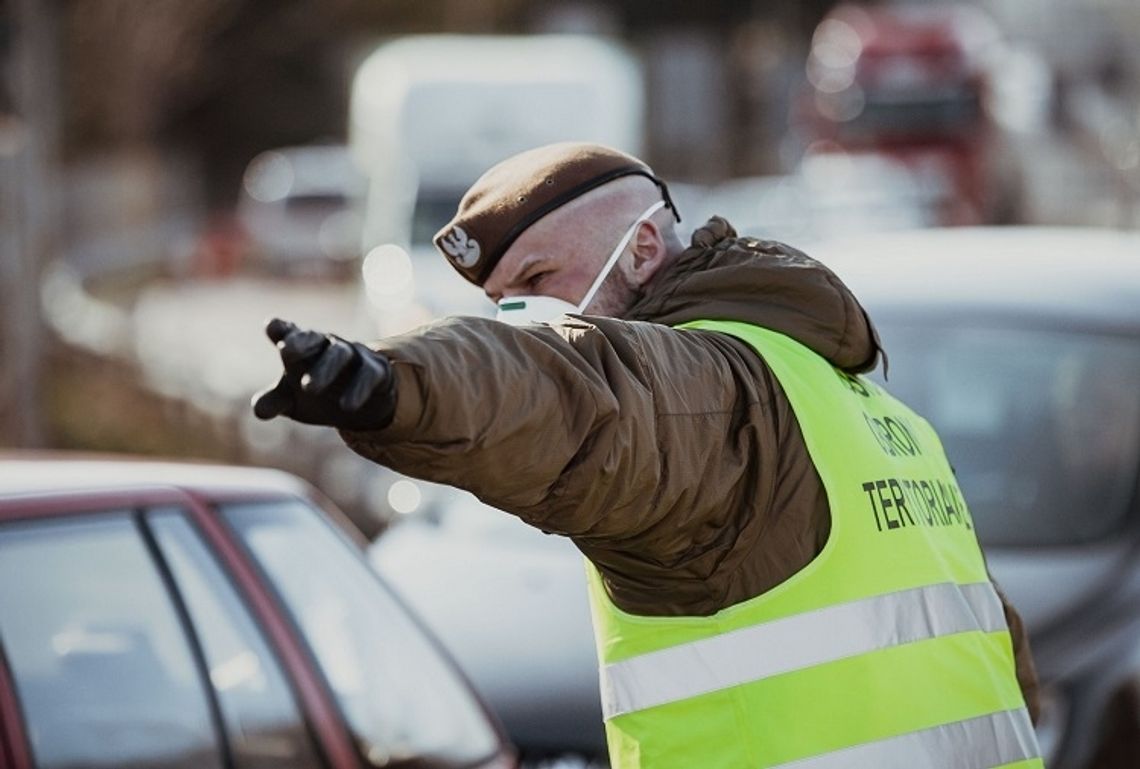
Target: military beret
[{"x": 522, "y": 189}]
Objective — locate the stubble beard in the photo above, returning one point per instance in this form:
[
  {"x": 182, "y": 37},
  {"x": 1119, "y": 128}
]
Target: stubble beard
[{"x": 615, "y": 296}]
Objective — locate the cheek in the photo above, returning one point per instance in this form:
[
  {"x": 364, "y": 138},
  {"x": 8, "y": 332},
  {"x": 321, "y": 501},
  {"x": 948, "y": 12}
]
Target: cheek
[{"x": 570, "y": 285}]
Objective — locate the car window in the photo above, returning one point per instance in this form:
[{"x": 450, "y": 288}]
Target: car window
[
  {"x": 103, "y": 669},
  {"x": 1042, "y": 427},
  {"x": 263, "y": 723},
  {"x": 943, "y": 111},
  {"x": 401, "y": 699}
]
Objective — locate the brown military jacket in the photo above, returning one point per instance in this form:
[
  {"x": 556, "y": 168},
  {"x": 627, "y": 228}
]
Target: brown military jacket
[{"x": 671, "y": 459}]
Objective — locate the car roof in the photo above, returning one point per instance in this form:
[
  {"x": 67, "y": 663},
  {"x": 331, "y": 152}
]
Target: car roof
[
  {"x": 32, "y": 473},
  {"x": 1082, "y": 274}
]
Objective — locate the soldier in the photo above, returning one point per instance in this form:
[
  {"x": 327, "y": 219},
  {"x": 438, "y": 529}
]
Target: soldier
[{"x": 694, "y": 420}]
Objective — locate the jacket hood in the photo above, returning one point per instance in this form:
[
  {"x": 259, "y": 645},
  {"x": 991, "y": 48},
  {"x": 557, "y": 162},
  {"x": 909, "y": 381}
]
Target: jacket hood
[{"x": 722, "y": 276}]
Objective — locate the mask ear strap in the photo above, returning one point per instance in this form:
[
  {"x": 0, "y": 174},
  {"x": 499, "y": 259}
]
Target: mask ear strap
[{"x": 609, "y": 265}]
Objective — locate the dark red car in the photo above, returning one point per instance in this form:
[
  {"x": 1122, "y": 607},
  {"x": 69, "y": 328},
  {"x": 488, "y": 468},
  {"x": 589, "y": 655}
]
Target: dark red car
[
  {"x": 176, "y": 616},
  {"x": 909, "y": 82}
]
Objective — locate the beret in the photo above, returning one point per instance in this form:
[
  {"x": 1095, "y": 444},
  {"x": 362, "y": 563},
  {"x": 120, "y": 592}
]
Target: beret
[{"x": 517, "y": 192}]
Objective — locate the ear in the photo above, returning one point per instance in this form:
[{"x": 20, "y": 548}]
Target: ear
[{"x": 649, "y": 251}]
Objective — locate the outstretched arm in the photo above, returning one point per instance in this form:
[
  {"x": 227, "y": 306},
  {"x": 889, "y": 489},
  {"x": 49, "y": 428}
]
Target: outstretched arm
[{"x": 598, "y": 429}]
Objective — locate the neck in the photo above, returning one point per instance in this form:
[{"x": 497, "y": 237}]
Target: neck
[{"x": 640, "y": 292}]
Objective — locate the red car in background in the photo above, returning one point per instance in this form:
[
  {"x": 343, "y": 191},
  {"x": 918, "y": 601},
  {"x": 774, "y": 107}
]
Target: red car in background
[
  {"x": 910, "y": 83},
  {"x": 172, "y": 616}
]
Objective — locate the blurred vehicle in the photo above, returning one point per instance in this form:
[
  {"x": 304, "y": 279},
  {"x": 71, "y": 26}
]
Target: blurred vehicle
[
  {"x": 168, "y": 616},
  {"x": 299, "y": 211},
  {"x": 829, "y": 195},
  {"x": 1022, "y": 347},
  {"x": 911, "y": 82},
  {"x": 510, "y": 603},
  {"x": 429, "y": 114}
]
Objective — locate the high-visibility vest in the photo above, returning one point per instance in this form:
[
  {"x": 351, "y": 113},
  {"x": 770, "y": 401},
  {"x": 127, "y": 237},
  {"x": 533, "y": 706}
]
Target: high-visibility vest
[{"x": 889, "y": 650}]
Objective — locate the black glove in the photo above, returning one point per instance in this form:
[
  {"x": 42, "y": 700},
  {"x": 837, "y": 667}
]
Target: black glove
[{"x": 328, "y": 381}]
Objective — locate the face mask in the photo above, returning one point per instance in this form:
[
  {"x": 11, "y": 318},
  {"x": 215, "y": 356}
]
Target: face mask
[{"x": 521, "y": 310}]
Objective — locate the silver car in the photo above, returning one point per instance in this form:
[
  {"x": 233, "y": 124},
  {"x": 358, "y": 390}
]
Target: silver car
[{"x": 1022, "y": 347}]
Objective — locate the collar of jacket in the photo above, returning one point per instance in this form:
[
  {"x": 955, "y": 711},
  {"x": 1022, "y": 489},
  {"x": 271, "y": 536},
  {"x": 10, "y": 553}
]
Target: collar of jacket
[{"x": 722, "y": 276}]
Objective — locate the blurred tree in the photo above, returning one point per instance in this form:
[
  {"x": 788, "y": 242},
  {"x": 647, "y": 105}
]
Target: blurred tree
[
  {"x": 126, "y": 58},
  {"x": 219, "y": 78},
  {"x": 28, "y": 211},
  {"x": 273, "y": 75},
  {"x": 453, "y": 16},
  {"x": 226, "y": 79}
]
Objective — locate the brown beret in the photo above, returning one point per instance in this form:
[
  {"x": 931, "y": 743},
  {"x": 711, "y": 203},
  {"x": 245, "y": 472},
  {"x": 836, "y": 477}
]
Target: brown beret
[{"x": 522, "y": 189}]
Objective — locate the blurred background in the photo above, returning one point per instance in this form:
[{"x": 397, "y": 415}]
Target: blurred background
[{"x": 175, "y": 172}]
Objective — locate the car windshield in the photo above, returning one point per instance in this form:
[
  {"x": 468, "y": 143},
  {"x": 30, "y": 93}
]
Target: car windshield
[
  {"x": 1042, "y": 427},
  {"x": 932, "y": 112},
  {"x": 404, "y": 704}
]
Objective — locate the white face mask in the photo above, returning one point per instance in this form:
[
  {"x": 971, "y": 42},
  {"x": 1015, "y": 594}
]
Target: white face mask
[{"x": 521, "y": 310}]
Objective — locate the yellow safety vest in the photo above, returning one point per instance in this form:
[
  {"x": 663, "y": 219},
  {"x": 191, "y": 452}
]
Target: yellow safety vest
[{"x": 889, "y": 650}]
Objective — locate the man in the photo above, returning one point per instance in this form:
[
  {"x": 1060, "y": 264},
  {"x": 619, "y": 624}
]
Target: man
[{"x": 772, "y": 582}]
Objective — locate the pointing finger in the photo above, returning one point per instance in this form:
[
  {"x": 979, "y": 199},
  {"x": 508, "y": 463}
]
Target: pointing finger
[{"x": 277, "y": 329}]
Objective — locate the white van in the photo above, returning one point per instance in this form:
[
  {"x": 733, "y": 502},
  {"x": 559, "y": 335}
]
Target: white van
[{"x": 428, "y": 114}]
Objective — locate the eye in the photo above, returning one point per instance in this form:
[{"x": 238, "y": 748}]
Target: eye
[{"x": 536, "y": 280}]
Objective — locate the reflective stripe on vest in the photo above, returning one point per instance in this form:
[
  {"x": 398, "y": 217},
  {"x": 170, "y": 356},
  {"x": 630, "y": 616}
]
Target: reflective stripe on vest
[
  {"x": 993, "y": 740},
  {"x": 888, "y": 650},
  {"x": 796, "y": 642}
]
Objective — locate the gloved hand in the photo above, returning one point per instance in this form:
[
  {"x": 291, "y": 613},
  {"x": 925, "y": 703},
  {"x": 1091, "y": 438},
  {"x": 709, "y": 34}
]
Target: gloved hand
[{"x": 328, "y": 381}]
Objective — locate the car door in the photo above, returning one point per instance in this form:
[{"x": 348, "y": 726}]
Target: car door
[
  {"x": 127, "y": 645},
  {"x": 403, "y": 701}
]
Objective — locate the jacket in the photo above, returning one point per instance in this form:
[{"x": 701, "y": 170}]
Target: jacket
[{"x": 671, "y": 459}]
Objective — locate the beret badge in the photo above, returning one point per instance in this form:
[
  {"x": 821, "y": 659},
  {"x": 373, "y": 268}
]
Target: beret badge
[{"x": 461, "y": 249}]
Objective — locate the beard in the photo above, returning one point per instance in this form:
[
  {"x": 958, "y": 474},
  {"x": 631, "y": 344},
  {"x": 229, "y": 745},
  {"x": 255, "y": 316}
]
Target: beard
[{"x": 616, "y": 295}]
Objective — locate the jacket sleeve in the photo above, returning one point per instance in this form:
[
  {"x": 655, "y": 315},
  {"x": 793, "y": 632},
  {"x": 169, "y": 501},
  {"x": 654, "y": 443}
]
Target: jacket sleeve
[
  {"x": 575, "y": 428},
  {"x": 1023, "y": 657}
]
